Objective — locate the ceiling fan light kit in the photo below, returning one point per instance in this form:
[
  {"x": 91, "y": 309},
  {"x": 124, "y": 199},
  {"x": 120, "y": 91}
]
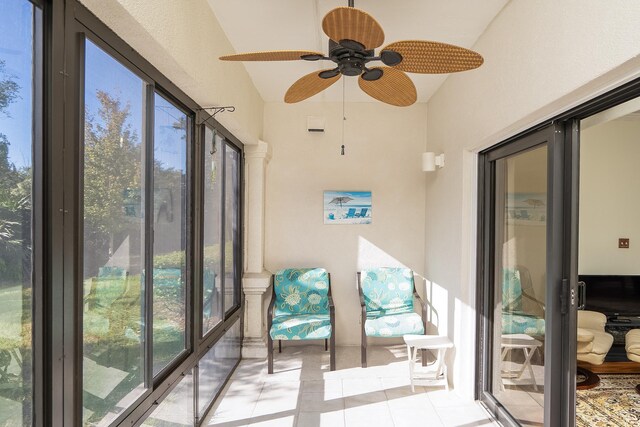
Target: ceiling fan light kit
[{"x": 353, "y": 37}]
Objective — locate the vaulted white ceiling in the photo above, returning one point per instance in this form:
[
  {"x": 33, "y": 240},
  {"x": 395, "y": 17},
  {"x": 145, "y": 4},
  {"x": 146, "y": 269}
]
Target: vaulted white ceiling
[{"x": 255, "y": 25}]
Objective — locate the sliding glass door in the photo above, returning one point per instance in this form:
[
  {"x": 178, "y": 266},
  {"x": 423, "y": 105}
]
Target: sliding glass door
[{"x": 525, "y": 317}]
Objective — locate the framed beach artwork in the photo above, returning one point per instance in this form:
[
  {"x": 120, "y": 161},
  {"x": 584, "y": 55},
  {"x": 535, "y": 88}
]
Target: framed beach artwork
[
  {"x": 526, "y": 208},
  {"x": 347, "y": 207}
]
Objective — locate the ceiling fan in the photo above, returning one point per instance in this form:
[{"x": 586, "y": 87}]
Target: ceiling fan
[{"x": 353, "y": 37}]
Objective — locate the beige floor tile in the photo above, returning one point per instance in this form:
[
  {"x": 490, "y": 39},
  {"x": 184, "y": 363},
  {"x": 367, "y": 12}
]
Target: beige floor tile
[
  {"x": 317, "y": 402},
  {"x": 357, "y": 386},
  {"x": 441, "y": 398},
  {"x": 469, "y": 415},
  {"x": 275, "y": 421},
  {"x": 303, "y": 392},
  {"x": 414, "y": 416},
  {"x": 365, "y": 399},
  {"x": 321, "y": 419},
  {"x": 418, "y": 400},
  {"x": 368, "y": 414},
  {"x": 331, "y": 388}
]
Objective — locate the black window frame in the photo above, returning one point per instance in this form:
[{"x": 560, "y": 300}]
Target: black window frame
[
  {"x": 39, "y": 294},
  {"x": 67, "y": 23}
]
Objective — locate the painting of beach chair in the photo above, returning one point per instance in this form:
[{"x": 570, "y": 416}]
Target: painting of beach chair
[
  {"x": 351, "y": 213},
  {"x": 386, "y": 300},
  {"x": 363, "y": 213},
  {"x": 301, "y": 308}
]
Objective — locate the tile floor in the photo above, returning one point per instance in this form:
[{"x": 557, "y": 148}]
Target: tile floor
[{"x": 303, "y": 392}]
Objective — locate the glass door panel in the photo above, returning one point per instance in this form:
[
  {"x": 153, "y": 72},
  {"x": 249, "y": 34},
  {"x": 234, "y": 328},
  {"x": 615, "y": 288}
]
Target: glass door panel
[
  {"x": 18, "y": 120},
  {"x": 169, "y": 232},
  {"x": 527, "y": 370},
  {"x": 212, "y": 265},
  {"x": 232, "y": 229},
  {"x": 520, "y": 284},
  {"x": 113, "y": 257}
]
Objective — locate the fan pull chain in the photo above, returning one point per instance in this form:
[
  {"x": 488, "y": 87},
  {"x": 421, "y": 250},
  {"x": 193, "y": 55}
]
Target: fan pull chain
[{"x": 344, "y": 118}]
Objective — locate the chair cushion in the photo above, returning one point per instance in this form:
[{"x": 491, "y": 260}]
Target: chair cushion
[
  {"x": 585, "y": 335},
  {"x": 591, "y": 320},
  {"x": 596, "y": 350},
  {"x": 387, "y": 291},
  {"x": 511, "y": 290},
  {"x": 301, "y": 327},
  {"x": 394, "y": 325},
  {"x": 301, "y": 291},
  {"x": 520, "y": 323}
]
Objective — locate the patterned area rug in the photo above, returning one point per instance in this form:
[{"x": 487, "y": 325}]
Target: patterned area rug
[{"x": 613, "y": 403}]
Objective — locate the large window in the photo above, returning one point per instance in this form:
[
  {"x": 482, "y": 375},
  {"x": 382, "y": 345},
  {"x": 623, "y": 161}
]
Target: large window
[
  {"x": 114, "y": 240},
  {"x": 18, "y": 145},
  {"x": 135, "y": 193}
]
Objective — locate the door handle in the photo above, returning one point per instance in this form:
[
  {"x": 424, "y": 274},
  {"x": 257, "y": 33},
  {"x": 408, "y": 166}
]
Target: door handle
[{"x": 582, "y": 295}]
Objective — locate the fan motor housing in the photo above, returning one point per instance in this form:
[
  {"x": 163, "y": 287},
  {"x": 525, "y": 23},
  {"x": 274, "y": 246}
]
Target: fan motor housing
[{"x": 351, "y": 60}]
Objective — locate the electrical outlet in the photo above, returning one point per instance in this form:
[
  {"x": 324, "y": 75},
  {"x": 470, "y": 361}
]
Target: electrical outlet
[{"x": 623, "y": 243}]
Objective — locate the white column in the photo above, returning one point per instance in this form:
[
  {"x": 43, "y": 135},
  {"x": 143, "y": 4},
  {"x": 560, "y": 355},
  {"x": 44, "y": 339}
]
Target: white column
[{"x": 255, "y": 280}]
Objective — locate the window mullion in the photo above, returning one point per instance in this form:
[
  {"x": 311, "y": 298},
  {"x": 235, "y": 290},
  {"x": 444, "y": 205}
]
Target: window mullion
[{"x": 149, "y": 230}]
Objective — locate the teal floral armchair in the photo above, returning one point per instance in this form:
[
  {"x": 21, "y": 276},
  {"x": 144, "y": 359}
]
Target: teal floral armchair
[
  {"x": 301, "y": 308},
  {"x": 386, "y": 300}
]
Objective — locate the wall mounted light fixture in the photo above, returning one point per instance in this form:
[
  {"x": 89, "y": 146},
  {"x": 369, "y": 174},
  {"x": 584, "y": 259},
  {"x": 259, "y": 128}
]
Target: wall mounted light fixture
[{"x": 431, "y": 162}]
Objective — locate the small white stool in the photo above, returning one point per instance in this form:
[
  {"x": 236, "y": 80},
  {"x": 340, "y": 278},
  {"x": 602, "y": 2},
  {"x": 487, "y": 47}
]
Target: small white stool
[
  {"x": 436, "y": 373},
  {"x": 528, "y": 345}
]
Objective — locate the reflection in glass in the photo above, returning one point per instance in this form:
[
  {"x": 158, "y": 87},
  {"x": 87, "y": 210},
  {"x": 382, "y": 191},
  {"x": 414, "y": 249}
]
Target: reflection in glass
[
  {"x": 16, "y": 190},
  {"x": 212, "y": 267},
  {"x": 520, "y": 291},
  {"x": 170, "y": 232},
  {"x": 232, "y": 228},
  {"x": 176, "y": 409},
  {"x": 113, "y": 262},
  {"x": 217, "y": 365}
]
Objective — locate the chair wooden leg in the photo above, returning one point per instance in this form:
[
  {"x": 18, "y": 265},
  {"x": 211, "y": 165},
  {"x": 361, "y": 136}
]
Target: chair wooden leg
[
  {"x": 325, "y": 344},
  {"x": 279, "y": 346},
  {"x": 332, "y": 355},
  {"x": 269, "y": 354}
]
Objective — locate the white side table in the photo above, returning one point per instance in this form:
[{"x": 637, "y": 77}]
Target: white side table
[
  {"x": 436, "y": 373},
  {"x": 528, "y": 345}
]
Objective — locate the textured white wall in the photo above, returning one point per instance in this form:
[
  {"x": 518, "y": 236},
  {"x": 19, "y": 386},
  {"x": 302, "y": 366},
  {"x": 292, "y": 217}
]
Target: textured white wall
[
  {"x": 183, "y": 40},
  {"x": 609, "y": 200},
  {"x": 383, "y": 147},
  {"x": 540, "y": 58}
]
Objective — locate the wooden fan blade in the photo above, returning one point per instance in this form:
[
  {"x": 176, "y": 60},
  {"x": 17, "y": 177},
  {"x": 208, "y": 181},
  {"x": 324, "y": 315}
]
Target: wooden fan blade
[
  {"x": 308, "y": 86},
  {"x": 273, "y": 55},
  {"x": 427, "y": 57},
  {"x": 353, "y": 24},
  {"x": 394, "y": 87}
]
